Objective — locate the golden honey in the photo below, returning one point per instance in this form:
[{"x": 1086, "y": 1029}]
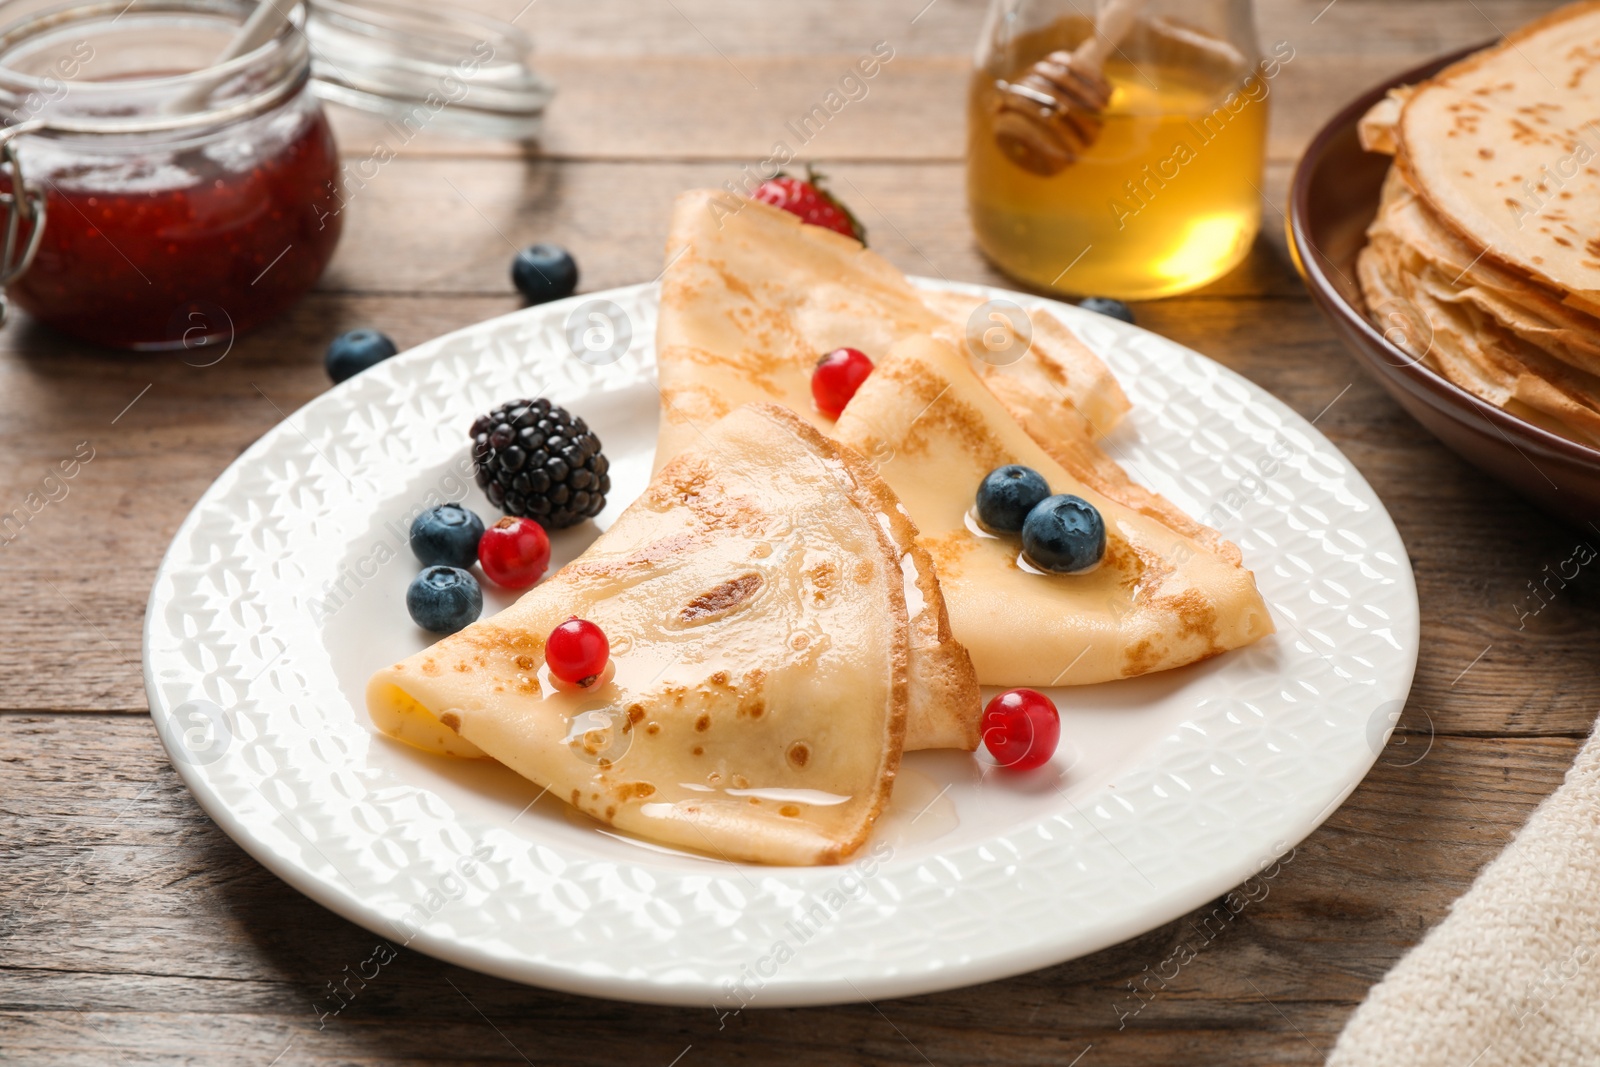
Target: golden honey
[{"x": 1163, "y": 201}]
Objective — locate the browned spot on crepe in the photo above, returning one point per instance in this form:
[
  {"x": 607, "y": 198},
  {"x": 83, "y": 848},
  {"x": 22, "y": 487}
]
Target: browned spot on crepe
[
  {"x": 941, "y": 411},
  {"x": 688, "y": 482},
  {"x": 949, "y": 550},
  {"x": 720, "y": 601}
]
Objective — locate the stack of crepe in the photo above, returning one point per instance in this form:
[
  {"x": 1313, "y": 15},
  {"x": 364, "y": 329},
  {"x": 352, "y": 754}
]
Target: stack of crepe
[
  {"x": 1484, "y": 260},
  {"x": 795, "y": 601}
]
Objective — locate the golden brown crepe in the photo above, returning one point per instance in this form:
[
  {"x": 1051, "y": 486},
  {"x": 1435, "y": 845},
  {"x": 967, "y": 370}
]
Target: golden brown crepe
[
  {"x": 1065, "y": 389},
  {"x": 763, "y": 606},
  {"x": 752, "y": 297},
  {"x": 1529, "y": 311},
  {"x": 944, "y": 707},
  {"x": 1169, "y": 592},
  {"x": 1377, "y": 127},
  {"x": 1504, "y": 146},
  {"x": 1431, "y": 318},
  {"x": 1484, "y": 259},
  {"x": 1477, "y": 324}
]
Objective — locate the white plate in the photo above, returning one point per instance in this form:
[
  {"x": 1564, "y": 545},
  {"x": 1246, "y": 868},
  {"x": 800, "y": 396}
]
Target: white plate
[{"x": 285, "y": 588}]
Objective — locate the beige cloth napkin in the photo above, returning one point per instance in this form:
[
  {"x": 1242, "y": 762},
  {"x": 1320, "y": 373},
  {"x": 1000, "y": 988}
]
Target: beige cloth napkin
[{"x": 1511, "y": 977}]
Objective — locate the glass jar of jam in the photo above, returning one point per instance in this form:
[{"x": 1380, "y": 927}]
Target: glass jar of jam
[{"x": 175, "y": 200}]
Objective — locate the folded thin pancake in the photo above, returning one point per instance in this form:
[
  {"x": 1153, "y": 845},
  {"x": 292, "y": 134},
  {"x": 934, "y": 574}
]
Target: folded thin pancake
[
  {"x": 1465, "y": 144},
  {"x": 945, "y": 709},
  {"x": 1527, "y": 310},
  {"x": 1430, "y": 316},
  {"x": 1167, "y": 592},
  {"x": 1050, "y": 376},
  {"x": 1501, "y": 145},
  {"x": 762, "y": 616},
  {"x": 752, "y": 297}
]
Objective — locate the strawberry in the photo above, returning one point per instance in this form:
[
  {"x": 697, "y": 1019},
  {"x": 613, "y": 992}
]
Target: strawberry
[{"x": 807, "y": 198}]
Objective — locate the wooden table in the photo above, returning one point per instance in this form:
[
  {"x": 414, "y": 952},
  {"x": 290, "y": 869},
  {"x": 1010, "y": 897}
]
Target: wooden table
[{"x": 134, "y": 931}]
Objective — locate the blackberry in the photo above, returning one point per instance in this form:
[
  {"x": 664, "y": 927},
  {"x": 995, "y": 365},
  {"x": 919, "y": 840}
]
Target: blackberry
[{"x": 537, "y": 460}]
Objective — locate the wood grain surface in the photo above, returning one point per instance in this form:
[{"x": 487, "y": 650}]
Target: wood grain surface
[{"x": 133, "y": 931}]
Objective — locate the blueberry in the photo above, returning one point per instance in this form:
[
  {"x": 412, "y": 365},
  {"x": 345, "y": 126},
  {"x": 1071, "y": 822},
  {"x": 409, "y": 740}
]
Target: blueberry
[
  {"x": 1116, "y": 309},
  {"x": 544, "y": 272},
  {"x": 1007, "y": 494},
  {"x": 353, "y": 352},
  {"x": 1064, "y": 533},
  {"x": 447, "y": 536},
  {"x": 444, "y": 599}
]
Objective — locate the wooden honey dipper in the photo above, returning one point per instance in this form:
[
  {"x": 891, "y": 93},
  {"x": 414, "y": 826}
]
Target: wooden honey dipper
[{"x": 1051, "y": 115}]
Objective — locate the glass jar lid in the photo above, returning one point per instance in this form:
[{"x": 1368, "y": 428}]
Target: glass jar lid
[{"x": 449, "y": 69}]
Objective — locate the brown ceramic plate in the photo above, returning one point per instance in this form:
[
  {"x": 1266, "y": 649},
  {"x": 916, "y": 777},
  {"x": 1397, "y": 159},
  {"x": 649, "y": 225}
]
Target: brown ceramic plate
[{"x": 1333, "y": 199}]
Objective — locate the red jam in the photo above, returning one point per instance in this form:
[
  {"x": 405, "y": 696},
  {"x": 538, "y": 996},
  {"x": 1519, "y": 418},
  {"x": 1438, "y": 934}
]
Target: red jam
[{"x": 176, "y": 248}]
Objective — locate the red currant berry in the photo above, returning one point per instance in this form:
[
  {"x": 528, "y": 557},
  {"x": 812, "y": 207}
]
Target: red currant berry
[
  {"x": 837, "y": 377},
  {"x": 577, "y": 651},
  {"x": 1021, "y": 729},
  {"x": 514, "y": 552}
]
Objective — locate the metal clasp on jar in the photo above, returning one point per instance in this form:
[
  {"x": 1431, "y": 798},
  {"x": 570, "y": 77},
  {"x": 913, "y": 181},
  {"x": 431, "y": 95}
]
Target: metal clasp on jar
[{"x": 23, "y": 203}]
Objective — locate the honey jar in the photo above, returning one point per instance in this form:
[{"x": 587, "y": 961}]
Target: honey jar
[{"x": 1161, "y": 192}]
